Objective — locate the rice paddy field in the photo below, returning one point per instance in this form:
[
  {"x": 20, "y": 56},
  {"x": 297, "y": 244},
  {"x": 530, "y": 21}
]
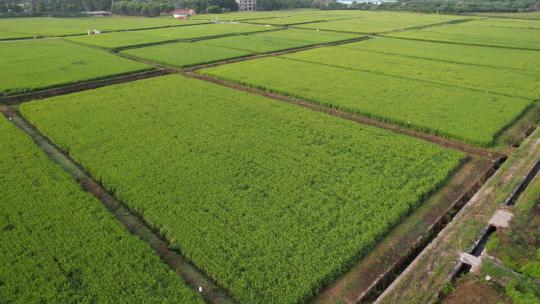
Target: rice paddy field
[
  {"x": 192, "y": 53},
  {"x": 377, "y": 22},
  {"x": 59, "y": 244},
  {"x": 527, "y": 15},
  {"x": 480, "y": 32},
  {"x": 278, "y": 40},
  {"x": 301, "y": 18},
  {"x": 440, "y": 109},
  {"x": 212, "y": 50},
  {"x": 40, "y": 64},
  {"x": 48, "y": 26},
  {"x": 274, "y": 175},
  {"x": 282, "y": 17},
  {"x": 485, "y": 79},
  {"x": 286, "y": 216},
  {"x": 136, "y": 38},
  {"x": 241, "y": 16},
  {"x": 523, "y": 61}
]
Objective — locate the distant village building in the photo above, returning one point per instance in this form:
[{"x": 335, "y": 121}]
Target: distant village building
[
  {"x": 246, "y": 5},
  {"x": 183, "y": 13}
]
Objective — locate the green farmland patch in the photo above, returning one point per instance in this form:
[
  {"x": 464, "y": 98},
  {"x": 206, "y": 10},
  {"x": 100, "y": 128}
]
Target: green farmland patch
[
  {"x": 511, "y": 23},
  {"x": 184, "y": 54},
  {"x": 528, "y": 15},
  {"x": 283, "y": 17},
  {"x": 306, "y": 17},
  {"x": 484, "y": 79},
  {"x": 474, "y": 117},
  {"x": 40, "y": 64},
  {"x": 187, "y": 54},
  {"x": 58, "y": 244},
  {"x": 377, "y": 22},
  {"x": 124, "y": 39},
  {"x": 277, "y": 40},
  {"x": 270, "y": 199},
  {"x": 48, "y": 26},
  {"x": 477, "y": 32},
  {"x": 13, "y": 35},
  {"x": 239, "y": 16},
  {"x": 518, "y": 60}
]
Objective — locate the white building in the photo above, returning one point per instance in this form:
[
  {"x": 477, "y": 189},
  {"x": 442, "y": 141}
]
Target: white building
[{"x": 246, "y": 5}]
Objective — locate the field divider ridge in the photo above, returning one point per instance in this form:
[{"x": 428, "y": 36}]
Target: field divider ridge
[
  {"x": 193, "y": 276},
  {"x": 441, "y": 141},
  {"x": 80, "y": 86},
  {"x": 22, "y": 38}
]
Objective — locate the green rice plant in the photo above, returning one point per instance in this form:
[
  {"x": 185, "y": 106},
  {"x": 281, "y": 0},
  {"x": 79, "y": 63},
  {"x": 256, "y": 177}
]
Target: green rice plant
[
  {"x": 41, "y": 64},
  {"x": 239, "y": 16},
  {"x": 184, "y": 54},
  {"x": 477, "y": 32},
  {"x": 277, "y": 40},
  {"x": 49, "y": 26},
  {"x": 471, "y": 116},
  {"x": 270, "y": 199},
  {"x": 479, "y": 78},
  {"x": 305, "y": 17},
  {"x": 58, "y": 244},
  {"x": 136, "y": 38},
  {"x": 514, "y": 59},
  {"x": 188, "y": 54},
  {"x": 510, "y": 23},
  {"x": 527, "y": 15},
  {"x": 282, "y": 17},
  {"x": 524, "y": 15},
  {"x": 377, "y": 22}
]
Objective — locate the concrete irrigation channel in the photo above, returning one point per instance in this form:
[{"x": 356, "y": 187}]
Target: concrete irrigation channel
[
  {"x": 500, "y": 219},
  {"x": 436, "y": 266}
]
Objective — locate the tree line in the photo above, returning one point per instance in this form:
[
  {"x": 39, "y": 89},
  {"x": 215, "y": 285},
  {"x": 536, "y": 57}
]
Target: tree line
[
  {"x": 442, "y": 6},
  {"x": 159, "y": 7}
]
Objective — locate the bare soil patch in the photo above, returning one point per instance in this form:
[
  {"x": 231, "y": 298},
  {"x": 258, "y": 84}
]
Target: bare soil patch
[{"x": 471, "y": 291}]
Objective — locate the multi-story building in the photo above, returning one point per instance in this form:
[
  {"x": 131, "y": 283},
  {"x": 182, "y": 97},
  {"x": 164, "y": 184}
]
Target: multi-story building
[{"x": 246, "y": 5}]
